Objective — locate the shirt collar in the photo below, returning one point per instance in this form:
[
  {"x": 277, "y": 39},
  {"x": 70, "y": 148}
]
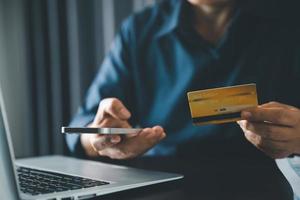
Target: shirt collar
[
  {"x": 172, "y": 18},
  {"x": 179, "y": 13},
  {"x": 179, "y": 16}
]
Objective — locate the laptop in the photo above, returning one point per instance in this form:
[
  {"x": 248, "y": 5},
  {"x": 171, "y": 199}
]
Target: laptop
[{"x": 64, "y": 178}]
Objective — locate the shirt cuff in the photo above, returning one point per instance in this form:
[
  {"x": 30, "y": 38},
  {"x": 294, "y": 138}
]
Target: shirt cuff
[{"x": 73, "y": 140}]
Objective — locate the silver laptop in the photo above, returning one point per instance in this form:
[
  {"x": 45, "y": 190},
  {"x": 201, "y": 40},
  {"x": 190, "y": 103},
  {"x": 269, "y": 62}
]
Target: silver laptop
[{"x": 64, "y": 178}]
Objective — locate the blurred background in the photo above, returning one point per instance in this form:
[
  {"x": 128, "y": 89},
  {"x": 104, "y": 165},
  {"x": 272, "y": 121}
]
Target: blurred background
[{"x": 49, "y": 53}]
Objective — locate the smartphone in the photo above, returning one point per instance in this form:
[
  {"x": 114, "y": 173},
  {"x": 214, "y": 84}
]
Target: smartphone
[{"x": 118, "y": 131}]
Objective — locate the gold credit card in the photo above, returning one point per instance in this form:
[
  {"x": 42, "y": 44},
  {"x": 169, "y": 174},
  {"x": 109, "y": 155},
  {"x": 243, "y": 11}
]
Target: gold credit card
[{"x": 221, "y": 105}]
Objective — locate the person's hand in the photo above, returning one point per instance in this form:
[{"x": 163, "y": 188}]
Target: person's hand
[
  {"x": 273, "y": 128},
  {"x": 112, "y": 113}
]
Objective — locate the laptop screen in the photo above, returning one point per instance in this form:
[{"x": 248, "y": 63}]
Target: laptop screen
[{"x": 8, "y": 189}]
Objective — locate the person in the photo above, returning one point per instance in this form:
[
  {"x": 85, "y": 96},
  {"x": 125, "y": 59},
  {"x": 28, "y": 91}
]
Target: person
[{"x": 178, "y": 46}]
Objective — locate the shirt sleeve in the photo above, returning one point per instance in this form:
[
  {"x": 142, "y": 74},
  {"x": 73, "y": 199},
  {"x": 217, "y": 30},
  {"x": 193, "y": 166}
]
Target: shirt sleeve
[{"x": 112, "y": 80}]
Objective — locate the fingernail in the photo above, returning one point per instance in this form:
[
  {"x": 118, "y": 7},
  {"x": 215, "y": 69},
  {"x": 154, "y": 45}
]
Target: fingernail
[
  {"x": 246, "y": 115},
  {"x": 162, "y": 136},
  {"x": 156, "y": 130},
  {"x": 125, "y": 112}
]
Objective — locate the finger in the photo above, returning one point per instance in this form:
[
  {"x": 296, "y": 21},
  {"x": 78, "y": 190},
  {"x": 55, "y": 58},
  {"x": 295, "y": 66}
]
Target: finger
[
  {"x": 280, "y": 116},
  {"x": 112, "y": 122},
  {"x": 268, "y": 130},
  {"x": 273, "y": 149},
  {"x": 113, "y": 153},
  {"x": 104, "y": 141},
  {"x": 158, "y": 129},
  {"x": 134, "y": 146},
  {"x": 153, "y": 135},
  {"x": 241, "y": 123},
  {"x": 253, "y": 138},
  {"x": 114, "y": 139},
  {"x": 145, "y": 140},
  {"x": 130, "y": 135},
  {"x": 273, "y": 104},
  {"x": 114, "y": 108}
]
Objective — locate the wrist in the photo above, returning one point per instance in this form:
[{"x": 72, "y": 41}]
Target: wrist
[{"x": 87, "y": 146}]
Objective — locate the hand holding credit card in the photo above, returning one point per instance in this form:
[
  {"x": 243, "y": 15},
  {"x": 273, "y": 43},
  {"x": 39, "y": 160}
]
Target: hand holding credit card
[{"x": 221, "y": 105}]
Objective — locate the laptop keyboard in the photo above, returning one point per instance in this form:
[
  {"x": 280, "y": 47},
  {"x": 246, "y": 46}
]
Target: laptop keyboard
[{"x": 37, "y": 182}]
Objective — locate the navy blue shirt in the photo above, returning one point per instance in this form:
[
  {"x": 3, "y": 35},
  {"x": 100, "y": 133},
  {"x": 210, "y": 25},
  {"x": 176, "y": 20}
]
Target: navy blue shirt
[{"x": 157, "y": 57}]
